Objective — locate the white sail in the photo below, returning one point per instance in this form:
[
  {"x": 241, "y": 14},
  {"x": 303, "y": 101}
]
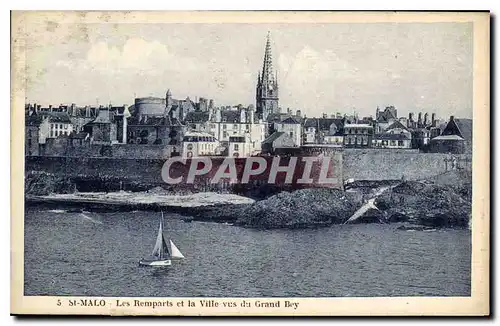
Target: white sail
[
  {"x": 175, "y": 252},
  {"x": 159, "y": 240}
]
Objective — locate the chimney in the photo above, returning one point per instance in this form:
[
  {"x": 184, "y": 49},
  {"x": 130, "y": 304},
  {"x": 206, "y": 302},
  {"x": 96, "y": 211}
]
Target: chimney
[
  {"x": 299, "y": 113},
  {"x": 325, "y": 115},
  {"x": 50, "y": 107},
  {"x": 426, "y": 117},
  {"x": 452, "y": 117},
  {"x": 433, "y": 119}
]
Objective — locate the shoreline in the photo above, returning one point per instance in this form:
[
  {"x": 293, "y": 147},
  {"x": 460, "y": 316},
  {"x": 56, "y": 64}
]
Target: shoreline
[{"x": 109, "y": 202}]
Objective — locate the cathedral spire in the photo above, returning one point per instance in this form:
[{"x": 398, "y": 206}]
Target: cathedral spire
[
  {"x": 267, "y": 86},
  {"x": 267, "y": 68}
]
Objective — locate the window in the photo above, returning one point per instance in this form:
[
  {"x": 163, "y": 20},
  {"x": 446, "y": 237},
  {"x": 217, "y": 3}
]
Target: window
[
  {"x": 51, "y": 133},
  {"x": 224, "y": 126},
  {"x": 291, "y": 134},
  {"x": 65, "y": 126},
  {"x": 236, "y": 147},
  {"x": 247, "y": 127},
  {"x": 393, "y": 143},
  {"x": 225, "y": 134},
  {"x": 60, "y": 126},
  {"x": 51, "y": 126},
  {"x": 400, "y": 143},
  {"x": 235, "y": 126}
]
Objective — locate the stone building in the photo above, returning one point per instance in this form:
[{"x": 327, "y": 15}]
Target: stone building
[
  {"x": 420, "y": 138},
  {"x": 292, "y": 127},
  {"x": 230, "y": 123},
  {"x": 156, "y": 106},
  {"x": 103, "y": 129},
  {"x": 240, "y": 146},
  {"x": 36, "y": 133},
  {"x": 43, "y": 125},
  {"x": 158, "y": 121},
  {"x": 328, "y": 131},
  {"x": 396, "y": 135},
  {"x": 358, "y": 135},
  {"x": 385, "y": 118},
  {"x": 456, "y": 137},
  {"x": 278, "y": 140},
  {"x": 81, "y": 118},
  {"x": 196, "y": 144}
]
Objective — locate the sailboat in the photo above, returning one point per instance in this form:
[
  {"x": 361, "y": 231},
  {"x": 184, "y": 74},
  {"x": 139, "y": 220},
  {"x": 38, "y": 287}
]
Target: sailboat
[{"x": 163, "y": 253}]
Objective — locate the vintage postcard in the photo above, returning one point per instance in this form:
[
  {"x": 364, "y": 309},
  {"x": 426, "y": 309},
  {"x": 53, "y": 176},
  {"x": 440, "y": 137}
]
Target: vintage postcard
[{"x": 250, "y": 163}]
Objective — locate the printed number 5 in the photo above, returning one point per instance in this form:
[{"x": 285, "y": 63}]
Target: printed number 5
[{"x": 58, "y": 302}]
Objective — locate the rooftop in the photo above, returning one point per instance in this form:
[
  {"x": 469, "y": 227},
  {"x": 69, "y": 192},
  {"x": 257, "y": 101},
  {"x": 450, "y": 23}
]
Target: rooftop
[
  {"x": 447, "y": 137},
  {"x": 357, "y": 125}
]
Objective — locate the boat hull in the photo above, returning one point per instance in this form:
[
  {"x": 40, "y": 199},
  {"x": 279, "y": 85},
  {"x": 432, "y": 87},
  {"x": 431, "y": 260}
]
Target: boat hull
[{"x": 155, "y": 263}]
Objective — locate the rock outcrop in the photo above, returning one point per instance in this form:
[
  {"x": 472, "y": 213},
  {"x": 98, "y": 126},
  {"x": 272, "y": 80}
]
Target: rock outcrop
[
  {"x": 426, "y": 204},
  {"x": 40, "y": 184},
  {"x": 304, "y": 208}
]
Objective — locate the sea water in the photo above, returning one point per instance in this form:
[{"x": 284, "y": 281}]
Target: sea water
[{"x": 97, "y": 254}]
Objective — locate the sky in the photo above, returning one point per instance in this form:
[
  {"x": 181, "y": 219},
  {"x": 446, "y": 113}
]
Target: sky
[{"x": 322, "y": 68}]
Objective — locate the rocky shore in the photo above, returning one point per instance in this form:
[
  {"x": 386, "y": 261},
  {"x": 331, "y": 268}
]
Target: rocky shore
[
  {"x": 444, "y": 201},
  {"x": 429, "y": 203}
]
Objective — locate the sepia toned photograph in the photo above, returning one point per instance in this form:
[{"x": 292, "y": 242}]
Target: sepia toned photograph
[{"x": 250, "y": 163}]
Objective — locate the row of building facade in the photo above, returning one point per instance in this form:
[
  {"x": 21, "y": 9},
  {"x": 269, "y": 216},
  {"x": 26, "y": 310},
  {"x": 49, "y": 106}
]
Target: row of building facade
[
  {"x": 200, "y": 128},
  {"x": 234, "y": 131}
]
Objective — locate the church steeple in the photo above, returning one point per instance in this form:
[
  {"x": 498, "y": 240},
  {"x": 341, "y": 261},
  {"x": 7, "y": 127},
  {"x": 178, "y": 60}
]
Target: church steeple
[
  {"x": 267, "y": 66},
  {"x": 267, "y": 85}
]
